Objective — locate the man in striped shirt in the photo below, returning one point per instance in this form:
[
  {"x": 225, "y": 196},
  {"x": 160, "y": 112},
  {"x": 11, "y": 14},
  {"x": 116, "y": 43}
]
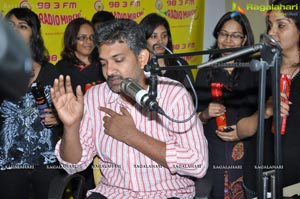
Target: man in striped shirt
[{"x": 142, "y": 154}]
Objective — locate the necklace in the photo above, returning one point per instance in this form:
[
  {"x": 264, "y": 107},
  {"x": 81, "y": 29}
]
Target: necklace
[
  {"x": 294, "y": 73},
  {"x": 290, "y": 71}
]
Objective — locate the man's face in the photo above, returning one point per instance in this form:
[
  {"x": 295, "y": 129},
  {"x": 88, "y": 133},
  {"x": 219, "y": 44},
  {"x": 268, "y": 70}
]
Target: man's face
[{"x": 119, "y": 62}]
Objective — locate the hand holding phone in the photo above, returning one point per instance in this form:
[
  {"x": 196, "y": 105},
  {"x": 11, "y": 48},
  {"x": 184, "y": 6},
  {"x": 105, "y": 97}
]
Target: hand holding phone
[
  {"x": 228, "y": 133},
  {"x": 227, "y": 129}
]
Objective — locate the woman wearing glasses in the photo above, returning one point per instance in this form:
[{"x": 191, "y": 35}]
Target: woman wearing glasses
[
  {"x": 226, "y": 150},
  {"x": 78, "y": 61},
  {"x": 81, "y": 65}
]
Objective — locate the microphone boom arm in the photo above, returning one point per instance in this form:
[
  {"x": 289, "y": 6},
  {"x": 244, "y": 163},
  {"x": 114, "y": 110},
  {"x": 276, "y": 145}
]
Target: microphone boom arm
[{"x": 232, "y": 56}]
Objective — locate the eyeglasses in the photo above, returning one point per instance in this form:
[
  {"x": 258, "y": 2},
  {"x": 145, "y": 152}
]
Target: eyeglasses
[
  {"x": 234, "y": 36},
  {"x": 85, "y": 38}
]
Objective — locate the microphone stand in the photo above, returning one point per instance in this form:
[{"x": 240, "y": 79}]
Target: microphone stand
[
  {"x": 232, "y": 56},
  {"x": 153, "y": 69},
  {"x": 271, "y": 57},
  {"x": 277, "y": 121}
]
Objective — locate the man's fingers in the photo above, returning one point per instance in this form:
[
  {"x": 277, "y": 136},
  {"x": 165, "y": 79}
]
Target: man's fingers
[
  {"x": 107, "y": 110},
  {"x": 54, "y": 91},
  {"x": 79, "y": 94},
  {"x": 61, "y": 85},
  {"x": 52, "y": 94},
  {"x": 106, "y": 119},
  {"x": 124, "y": 111},
  {"x": 68, "y": 84}
]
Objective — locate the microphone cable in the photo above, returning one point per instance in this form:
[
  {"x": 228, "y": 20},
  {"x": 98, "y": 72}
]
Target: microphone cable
[{"x": 190, "y": 83}]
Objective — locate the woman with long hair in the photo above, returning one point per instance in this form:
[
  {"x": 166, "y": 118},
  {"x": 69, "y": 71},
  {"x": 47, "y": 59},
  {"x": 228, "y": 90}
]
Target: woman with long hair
[
  {"x": 284, "y": 27},
  {"x": 226, "y": 151},
  {"x": 78, "y": 60},
  {"x": 157, "y": 31},
  {"x": 28, "y": 133}
]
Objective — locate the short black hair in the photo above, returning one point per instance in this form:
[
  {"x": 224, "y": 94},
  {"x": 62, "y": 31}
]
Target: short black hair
[
  {"x": 123, "y": 31},
  {"x": 102, "y": 16}
]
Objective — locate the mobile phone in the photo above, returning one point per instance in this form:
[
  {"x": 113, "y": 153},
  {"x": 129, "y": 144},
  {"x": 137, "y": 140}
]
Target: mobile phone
[{"x": 227, "y": 129}]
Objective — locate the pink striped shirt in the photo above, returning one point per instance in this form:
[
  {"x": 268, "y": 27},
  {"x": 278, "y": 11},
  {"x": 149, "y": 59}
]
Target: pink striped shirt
[{"x": 128, "y": 173}]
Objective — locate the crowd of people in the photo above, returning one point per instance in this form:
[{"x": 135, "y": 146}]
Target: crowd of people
[{"x": 83, "y": 111}]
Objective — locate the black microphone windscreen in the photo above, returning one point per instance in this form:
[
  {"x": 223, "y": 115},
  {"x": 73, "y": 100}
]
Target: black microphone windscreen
[{"x": 15, "y": 63}]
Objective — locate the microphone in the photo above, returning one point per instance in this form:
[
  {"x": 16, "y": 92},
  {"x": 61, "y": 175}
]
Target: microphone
[
  {"x": 266, "y": 46},
  {"x": 15, "y": 63},
  {"x": 132, "y": 89}
]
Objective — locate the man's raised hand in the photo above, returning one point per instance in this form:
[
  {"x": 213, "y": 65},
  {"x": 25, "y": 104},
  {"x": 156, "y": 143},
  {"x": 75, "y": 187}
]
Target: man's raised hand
[{"x": 68, "y": 106}]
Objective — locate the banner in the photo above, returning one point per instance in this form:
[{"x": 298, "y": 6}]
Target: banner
[{"x": 186, "y": 19}]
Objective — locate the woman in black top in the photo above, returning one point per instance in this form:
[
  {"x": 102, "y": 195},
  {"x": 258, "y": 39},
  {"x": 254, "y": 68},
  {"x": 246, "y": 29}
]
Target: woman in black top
[
  {"x": 284, "y": 27},
  {"x": 27, "y": 159},
  {"x": 226, "y": 150},
  {"x": 78, "y": 61},
  {"x": 157, "y": 30}
]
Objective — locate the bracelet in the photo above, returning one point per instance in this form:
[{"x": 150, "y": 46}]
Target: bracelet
[{"x": 199, "y": 116}]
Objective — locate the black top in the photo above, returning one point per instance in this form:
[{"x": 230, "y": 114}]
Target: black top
[
  {"x": 225, "y": 155},
  {"x": 290, "y": 143},
  {"x": 234, "y": 94},
  {"x": 24, "y": 140},
  {"x": 85, "y": 77}
]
